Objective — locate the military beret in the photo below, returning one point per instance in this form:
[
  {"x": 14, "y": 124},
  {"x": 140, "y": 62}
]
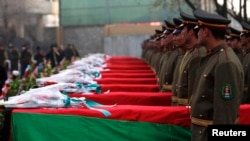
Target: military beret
[
  {"x": 169, "y": 27},
  {"x": 246, "y": 29},
  {"x": 210, "y": 20},
  {"x": 233, "y": 33},
  {"x": 188, "y": 19},
  {"x": 178, "y": 23}
]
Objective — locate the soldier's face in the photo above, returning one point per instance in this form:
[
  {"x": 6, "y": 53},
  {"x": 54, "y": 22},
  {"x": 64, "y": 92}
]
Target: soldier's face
[
  {"x": 167, "y": 39},
  {"x": 244, "y": 40},
  {"x": 177, "y": 39},
  {"x": 184, "y": 37},
  {"x": 158, "y": 43},
  {"x": 233, "y": 43},
  {"x": 201, "y": 36},
  {"x": 162, "y": 41}
]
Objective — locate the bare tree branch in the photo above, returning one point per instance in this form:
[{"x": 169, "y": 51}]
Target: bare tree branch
[
  {"x": 221, "y": 9},
  {"x": 190, "y": 4},
  {"x": 240, "y": 8},
  {"x": 245, "y": 10}
]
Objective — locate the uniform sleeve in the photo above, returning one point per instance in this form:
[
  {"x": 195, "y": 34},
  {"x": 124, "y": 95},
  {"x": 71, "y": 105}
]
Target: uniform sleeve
[
  {"x": 246, "y": 96},
  {"x": 192, "y": 72},
  {"x": 227, "y": 92}
]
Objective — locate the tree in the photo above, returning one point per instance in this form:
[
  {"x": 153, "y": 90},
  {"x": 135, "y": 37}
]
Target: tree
[
  {"x": 228, "y": 7},
  {"x": 238, "y": 13}
]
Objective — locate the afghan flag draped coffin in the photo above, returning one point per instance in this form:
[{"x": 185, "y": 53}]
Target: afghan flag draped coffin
[
  {"x": 122, "y": 103},
  {"x": 108, "y": 99},
  {"x": 129, "y": 98},
  {"x": 126, "y": 122}
]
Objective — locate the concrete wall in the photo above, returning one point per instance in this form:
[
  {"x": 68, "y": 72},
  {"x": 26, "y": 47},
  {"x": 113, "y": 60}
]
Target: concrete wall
[
  {"x": 93, "y": 40},
  {"x": 116, "y": 40},
  {"x": 86, "y": 39},
  {"x": 124, "y": 45}
]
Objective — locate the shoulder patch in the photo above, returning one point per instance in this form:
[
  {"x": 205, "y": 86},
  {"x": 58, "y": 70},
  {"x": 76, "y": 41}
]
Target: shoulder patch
[{"x": 227, "y": 92}]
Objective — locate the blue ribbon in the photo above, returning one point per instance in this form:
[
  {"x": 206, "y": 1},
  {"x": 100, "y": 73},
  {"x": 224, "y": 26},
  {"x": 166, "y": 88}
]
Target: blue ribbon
[
  {"x": 90, "y": 104},
  {"x": 64, "y": 93},
  {"x": 79, "y": 85},
  {"x": 96, "y": 87},
  {"x": 67, "y": 102},
  {"x": 96, "y": 73}
]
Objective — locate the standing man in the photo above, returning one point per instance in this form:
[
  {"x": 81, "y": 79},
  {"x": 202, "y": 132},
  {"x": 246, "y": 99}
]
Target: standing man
[
  {"x": 25, "y": 58},
  {"x": 234, "y": 41},
  {"x": 167, "y": 41},
  {"x": 39, "y": 56},
  {"x": 14, "y": 58},
  {"x": 178, "y": 40},
  {"x": 3, "y": 77},
  {"x": 53, "y": 56},
  {"x": 185, "y": 78},
  {"x": 160, "y": 52},
  {"x": 245, "y": 41},
  {"x": 220, "y": 78},
  {"x": 3, "y": 56},
  {"x": 155, "y": 52},
  {"x": 172, "y": 62},
  {"x": 166, "y": 38},
  {"x": 3, "y": 71}
]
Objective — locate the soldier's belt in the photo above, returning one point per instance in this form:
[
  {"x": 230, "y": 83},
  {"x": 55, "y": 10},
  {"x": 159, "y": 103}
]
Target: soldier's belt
[
  {"x": 245, "y": 88},
  {"x": 153, "y": 70},
  {"x": 201, "y": 122},
  {"x": 174, "y": 99},
  {"x": 157, "y": 79},
  {"x": 182, "y": 101},
  {"x": 167, "y": 87},
  {"x": 205, "y": 123}
]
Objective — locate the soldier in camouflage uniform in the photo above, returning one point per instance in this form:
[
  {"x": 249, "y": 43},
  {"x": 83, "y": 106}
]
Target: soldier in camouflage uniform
[{"x": 219, "y": 79}]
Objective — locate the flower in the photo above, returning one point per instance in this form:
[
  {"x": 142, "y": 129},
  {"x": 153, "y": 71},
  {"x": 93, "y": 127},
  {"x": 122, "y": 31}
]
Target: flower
[{"x": 15, "y": 72}]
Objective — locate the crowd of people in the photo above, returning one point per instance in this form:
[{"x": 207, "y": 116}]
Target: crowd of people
[
  {"x": 14, "y": 60},
  {"x": 205, "y": 63}
]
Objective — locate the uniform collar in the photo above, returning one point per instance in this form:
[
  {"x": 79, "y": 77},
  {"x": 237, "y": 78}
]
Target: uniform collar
[
  {"x": 247, "y": 50},
  {"x": 218, "y": 48}
]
